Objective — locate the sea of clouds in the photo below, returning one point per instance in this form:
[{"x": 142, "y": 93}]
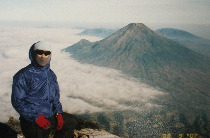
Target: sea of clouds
[{"x": 84, "y": 88}]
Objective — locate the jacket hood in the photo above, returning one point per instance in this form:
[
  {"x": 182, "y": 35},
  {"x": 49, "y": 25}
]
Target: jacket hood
[{"x": 33, "y": 61}]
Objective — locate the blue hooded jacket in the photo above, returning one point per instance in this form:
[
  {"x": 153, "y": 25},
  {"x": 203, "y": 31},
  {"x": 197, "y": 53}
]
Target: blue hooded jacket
[{"x": 35, "y": 91}]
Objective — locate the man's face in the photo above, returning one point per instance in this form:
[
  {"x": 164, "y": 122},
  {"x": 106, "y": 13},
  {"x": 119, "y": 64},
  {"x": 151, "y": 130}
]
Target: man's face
[{"x": 42, "y": 57}]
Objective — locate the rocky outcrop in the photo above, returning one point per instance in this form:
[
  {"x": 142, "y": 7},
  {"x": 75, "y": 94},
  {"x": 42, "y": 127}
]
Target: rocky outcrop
[
  {"x": 93, "y": 133},
  {"x": 86, "y": 130},
  {"x": 87, "y": 133}
]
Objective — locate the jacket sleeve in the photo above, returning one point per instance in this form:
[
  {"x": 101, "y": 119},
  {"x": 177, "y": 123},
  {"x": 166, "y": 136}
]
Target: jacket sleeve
[
  {"x": 18, "y": 98},
  {"x": 56, "y": 101}
]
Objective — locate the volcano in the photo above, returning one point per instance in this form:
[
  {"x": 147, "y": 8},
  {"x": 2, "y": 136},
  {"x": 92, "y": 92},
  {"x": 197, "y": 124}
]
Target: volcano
[
  {"x": 184, "y": 75},
  {"x": 140, "y": 52}
]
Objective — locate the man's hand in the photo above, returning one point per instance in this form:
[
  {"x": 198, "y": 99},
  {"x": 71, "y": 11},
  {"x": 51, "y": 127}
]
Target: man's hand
[
  {"x": 60, "y": 121},
  {"x": 41, "y": 121}
]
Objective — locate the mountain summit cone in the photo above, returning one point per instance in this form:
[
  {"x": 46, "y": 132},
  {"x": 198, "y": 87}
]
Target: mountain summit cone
[
  {"x": 182, "y": 74},
  {"x": 160, "y": 62}
]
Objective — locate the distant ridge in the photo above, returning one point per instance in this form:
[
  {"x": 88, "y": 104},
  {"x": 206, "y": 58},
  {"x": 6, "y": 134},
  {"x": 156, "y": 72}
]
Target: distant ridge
[
  {"x": 176, "y": 33},
  {"x": 100, "y": 32},
  {"x": 187, "y": 39}
]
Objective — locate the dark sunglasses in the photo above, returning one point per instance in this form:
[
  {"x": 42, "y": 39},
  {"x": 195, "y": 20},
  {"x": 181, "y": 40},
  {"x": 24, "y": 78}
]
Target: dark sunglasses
[{"x": 40, "y": 52}]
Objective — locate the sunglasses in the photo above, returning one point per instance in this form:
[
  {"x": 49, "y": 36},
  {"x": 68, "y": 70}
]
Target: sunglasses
[{"x": 40, "y": 52}]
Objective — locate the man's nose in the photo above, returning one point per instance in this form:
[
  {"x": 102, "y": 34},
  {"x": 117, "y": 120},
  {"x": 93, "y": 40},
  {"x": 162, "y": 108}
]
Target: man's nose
[{"x": 43, "y": 55}]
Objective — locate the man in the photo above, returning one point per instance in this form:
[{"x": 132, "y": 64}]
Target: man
[{"x": 35, "y": 96}]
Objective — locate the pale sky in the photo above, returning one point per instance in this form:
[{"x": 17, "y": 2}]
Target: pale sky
[
  {"x": 114, "y": 11},
  {"x": 188, "y": 15}
]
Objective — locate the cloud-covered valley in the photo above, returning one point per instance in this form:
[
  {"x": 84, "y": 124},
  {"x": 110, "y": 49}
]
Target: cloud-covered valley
[{"x": 84, "y": 88}]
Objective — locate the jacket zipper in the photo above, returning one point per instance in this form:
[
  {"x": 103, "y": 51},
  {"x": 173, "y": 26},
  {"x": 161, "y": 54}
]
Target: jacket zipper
[{"x": 48, "y": 92}]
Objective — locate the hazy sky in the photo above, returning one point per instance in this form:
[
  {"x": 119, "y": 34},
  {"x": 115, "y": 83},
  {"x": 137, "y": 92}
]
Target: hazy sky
[{"x": 100, "y": 11}]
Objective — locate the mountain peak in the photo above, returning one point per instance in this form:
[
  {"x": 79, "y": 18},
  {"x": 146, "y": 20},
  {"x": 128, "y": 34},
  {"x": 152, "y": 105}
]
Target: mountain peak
[
  {"x": 137, "y": 24},
  {"x": 84, "y": 41},
  {"x": 134, "y": 33},
  {"x": 136, "y": 30},
  {"x": 134, "y": 26}
]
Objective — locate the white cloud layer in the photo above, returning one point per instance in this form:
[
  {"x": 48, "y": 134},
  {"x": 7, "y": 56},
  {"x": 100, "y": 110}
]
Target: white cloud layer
[{"x": 84, "y": 88}]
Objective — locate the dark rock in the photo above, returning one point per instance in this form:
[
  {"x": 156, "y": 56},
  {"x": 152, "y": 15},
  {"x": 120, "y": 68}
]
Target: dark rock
[{"x": 7, "y": 132}]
